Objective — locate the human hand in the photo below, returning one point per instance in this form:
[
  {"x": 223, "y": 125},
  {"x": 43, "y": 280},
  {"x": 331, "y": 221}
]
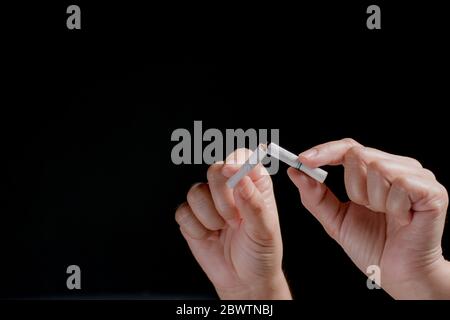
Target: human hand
[
  {"x": 394, "y": 219},
  {"x": 234, "y": 233}
]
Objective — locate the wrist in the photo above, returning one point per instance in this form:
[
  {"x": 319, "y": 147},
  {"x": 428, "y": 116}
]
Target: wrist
[
  {"x": 439, "y": 281},
  {"x": 274, "y": 288},
  {"x": 434, "y": 284}
]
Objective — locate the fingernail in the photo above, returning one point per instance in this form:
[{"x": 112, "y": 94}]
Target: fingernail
[
  {"x": 227, "y": 170},
  {"x": 194, "y": 185},
  {"x": 232, "y": 160},
  {"x": 308, "y": 154},
  {"x": 180, "y": 205}
]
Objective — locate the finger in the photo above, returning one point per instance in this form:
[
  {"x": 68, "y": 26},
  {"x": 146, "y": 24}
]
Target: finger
[
  {"x": 421, "y": 201},
  {"x": 222, "y": 196},
  {"x": 259, "y": 221},
  {"x": 190, "y": 224},
  {"x": 320, "y": 201},
  {"x": 357, "y": 162},
  {"x": 333, "y": 153},
  {"x": 377, "y": 190},
  {"x": 381, "y": 172},
  {"x": 200, "y": 200},
  {"x": 235, "y": 161},
  {"x": 259, "y": 174},
  {"x": 398, "y": 205},
  {"x": 330, "y": 153},
  {"x": 355, "y": 175}
]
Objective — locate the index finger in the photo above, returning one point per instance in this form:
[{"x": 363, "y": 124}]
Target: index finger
[
  {"x": 235, "y": 161},
  {"x": 330, "y": 153},
  {"x": 222, "y": 195},
  {"x": 333, "y": 153}
]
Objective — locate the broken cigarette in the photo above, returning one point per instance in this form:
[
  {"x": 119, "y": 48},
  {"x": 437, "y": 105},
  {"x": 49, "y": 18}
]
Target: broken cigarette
[
  {"x": 291, "y": 159},
  {"x": 280, "y": 153},
  {"x": 254, "y": 159}
]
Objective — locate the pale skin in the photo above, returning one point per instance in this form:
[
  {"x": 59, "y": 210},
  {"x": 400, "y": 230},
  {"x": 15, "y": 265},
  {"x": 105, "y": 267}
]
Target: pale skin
[{"x": 394, "y": 219}]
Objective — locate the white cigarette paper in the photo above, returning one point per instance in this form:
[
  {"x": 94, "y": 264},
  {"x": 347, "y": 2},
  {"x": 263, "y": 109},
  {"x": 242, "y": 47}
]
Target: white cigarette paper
[
  {"x": 255, "y": 158},
  {"x": 291, "y": 159}
]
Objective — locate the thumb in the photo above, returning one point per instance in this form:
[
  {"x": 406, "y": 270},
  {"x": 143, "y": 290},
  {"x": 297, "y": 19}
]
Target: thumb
[
  {"x": 320, "y": 201},
  {"x": 260, "y": 222}
]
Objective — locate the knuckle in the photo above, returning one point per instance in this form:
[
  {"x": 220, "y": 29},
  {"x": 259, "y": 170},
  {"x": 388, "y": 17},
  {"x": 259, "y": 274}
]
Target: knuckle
[
  {"x": 400, "y": 181},
  {"x": 404, "y": 182},
  {"x": 435, "y": 195},
  {"x": 225, "y": 209},
  {"x": 351, "y": 142},
  {"x": 354, "y": 154},
  {"x": 441, "y": 199},
  {"x": 380, "y": 166},
  {"x": 181, "y": 214},
  {"x": 429, "y": 173},
  {"x": 441, "y": 205},
  {"x": 412, "y": 161}
]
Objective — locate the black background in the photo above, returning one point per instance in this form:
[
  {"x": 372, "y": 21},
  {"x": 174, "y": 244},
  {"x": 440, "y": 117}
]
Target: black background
[{"x": 86, "y": 118}]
